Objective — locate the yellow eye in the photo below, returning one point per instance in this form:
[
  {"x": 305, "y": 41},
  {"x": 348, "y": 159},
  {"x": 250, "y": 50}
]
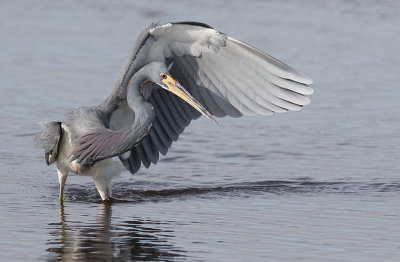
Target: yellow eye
[{"x": 164, "y": 76}]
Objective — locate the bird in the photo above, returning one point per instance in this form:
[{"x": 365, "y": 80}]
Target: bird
[{"x": 175, "y": 73}]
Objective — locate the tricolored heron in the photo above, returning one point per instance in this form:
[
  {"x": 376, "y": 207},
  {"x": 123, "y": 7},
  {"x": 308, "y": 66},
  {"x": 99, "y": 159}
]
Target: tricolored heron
[{"x": 175, "y": 73}]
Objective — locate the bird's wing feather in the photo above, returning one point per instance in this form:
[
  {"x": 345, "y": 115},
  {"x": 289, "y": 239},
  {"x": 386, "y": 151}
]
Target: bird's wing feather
[
  {"x": 226, "y": 76},
  {"x": 172, "y": 115}
]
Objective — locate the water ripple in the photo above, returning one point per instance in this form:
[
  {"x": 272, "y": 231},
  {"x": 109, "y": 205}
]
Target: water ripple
[{"x": 128, "y": 192}]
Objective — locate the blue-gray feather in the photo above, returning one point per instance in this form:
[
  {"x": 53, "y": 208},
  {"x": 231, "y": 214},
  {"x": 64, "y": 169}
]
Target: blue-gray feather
[{"x": 48, "y": 139}]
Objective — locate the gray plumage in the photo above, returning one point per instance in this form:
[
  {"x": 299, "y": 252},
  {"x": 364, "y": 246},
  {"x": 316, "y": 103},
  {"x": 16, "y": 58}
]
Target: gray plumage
[
  {"x": 215, "y": 74},
  {"x": 48, "y": 139}
]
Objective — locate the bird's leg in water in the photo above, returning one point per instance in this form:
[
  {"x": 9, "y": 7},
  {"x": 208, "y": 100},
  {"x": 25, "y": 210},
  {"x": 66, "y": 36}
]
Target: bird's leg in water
[{"x": 62, "y": 178}]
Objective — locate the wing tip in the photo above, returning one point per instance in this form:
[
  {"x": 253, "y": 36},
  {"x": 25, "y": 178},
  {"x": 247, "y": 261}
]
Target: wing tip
[{"x": 305, "y": 79}]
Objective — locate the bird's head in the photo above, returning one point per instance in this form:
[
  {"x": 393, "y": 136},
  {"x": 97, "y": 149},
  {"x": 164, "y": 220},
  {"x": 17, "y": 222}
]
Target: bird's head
[{"x": 163, "y": 78}]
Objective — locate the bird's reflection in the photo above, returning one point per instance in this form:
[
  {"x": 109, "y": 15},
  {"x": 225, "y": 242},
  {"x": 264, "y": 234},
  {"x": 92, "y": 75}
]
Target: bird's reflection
[{"x": 100, "y": 240}]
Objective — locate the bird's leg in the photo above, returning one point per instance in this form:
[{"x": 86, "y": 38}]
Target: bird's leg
[{"x": 62, "y": 178}]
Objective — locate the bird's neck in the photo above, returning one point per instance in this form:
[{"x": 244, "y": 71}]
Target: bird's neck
[
  {"x": 135, "y": 98},
  {"x": 144, "y": 112}
]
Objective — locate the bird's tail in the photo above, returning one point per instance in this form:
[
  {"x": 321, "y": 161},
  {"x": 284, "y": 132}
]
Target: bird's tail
[{"x": 48, "y": 139}]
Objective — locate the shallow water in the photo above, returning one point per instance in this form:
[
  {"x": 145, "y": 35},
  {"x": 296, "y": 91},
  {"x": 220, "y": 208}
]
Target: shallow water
[{"x": 321, "y": 184}]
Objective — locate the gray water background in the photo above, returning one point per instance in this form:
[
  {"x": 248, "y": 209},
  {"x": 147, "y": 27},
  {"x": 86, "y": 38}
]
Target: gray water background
[{"x": 321, "y": 184}]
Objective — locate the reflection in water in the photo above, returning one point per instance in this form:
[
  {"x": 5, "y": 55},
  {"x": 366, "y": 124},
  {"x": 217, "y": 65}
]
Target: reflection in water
[
  {"x": 102, "y": 241},
  {"x": 140, "y": 239}
]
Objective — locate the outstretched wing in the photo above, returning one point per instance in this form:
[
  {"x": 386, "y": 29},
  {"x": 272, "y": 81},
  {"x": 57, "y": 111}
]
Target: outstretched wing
[{"x": 226, "y": 76}]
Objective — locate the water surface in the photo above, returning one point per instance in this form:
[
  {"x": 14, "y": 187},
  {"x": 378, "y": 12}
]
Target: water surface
[{"x": 321, "y": 184}]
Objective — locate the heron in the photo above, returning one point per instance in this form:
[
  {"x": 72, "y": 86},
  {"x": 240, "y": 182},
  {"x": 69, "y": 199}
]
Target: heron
[{"x": 175, "y": 73}]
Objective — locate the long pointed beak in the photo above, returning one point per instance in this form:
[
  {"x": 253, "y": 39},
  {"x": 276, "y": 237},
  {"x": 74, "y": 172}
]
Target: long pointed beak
[{"x": 179, "y": 90}]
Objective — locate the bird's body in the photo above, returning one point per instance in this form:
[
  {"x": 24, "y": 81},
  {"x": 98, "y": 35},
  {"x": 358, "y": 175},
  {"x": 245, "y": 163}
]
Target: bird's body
[
  {"x": 74, "y": 125},
  {"x": 148, "y": 108}
]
